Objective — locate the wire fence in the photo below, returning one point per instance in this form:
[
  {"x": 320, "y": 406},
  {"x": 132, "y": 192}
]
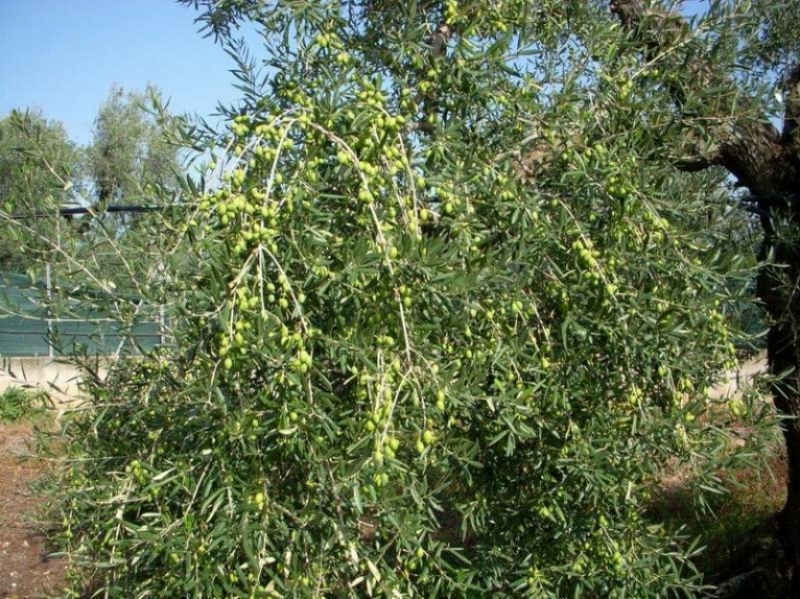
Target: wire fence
[{"x": 30, "y": 327}]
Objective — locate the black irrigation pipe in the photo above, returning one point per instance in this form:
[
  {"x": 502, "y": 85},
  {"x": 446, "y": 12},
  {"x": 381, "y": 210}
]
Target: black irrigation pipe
[{"x": 70, "y": 212}]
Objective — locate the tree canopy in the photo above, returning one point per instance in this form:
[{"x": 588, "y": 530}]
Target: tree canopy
[
  {"x": 130, "y": 152},
  {"x": 130, "y": 166},
  {"x": 39, "y": 165},
  {"x": 454, "y": 311}
]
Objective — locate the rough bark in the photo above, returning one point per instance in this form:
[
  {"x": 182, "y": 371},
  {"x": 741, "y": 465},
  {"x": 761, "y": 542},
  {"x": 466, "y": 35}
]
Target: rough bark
[{"x": 767, "y": 162}]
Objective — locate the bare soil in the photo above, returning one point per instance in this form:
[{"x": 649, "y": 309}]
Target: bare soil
[{"x": 26, "y": 570}]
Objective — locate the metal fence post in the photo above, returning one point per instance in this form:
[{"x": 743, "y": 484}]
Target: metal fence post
[
  {"x": 48, "y": 293},
  {"x": 162, "y": 324}
]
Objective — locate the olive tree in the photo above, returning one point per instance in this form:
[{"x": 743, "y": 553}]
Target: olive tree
[
  {"x": 129, "y": 153},
  {"x": 451, "y": 318},
  {"x": 717, "y": 73},
  {"x": 40, "y": 168}
]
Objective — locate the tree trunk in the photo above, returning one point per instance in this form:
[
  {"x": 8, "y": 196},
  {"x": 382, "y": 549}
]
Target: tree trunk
[
  {"x": 778, "y": 289},
  {"x": 767, "y": 163},
  {"x": 783, "y": 356}
]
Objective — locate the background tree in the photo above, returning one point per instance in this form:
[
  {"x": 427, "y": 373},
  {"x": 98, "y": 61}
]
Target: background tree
[
  {"x": 40, "y": 172},
  {"x": 450, "y": 320},
  {"x": 131, "y": 163},
  {"x": 129, "y": 153}
]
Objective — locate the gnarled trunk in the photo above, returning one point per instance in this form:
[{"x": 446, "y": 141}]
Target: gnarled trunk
[
  {"x": 779, "y": 289},
  {"x": 767, "y": 163}
]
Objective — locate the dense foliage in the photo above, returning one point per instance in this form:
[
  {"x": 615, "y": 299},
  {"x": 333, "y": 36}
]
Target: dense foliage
[{"x": 450, "y": 318}]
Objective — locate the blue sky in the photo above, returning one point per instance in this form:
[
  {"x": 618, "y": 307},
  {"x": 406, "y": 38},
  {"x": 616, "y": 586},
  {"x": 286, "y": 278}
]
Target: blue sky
[{"x": 63, "y": 56}]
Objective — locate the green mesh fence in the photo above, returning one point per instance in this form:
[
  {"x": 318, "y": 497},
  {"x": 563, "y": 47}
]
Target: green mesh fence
[{"x": 28, "y": 329}]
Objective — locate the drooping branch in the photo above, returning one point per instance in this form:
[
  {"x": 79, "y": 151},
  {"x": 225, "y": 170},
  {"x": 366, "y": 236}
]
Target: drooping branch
[
  {"x": 742, "y": 139},
  {"x": 768, "y": 163}
]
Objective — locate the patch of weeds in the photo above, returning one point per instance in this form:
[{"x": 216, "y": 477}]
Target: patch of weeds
[
  {"x": 753, "y": 496},
  {"x": 17, "y": 403},
  {"x": 723, "y": 509}
]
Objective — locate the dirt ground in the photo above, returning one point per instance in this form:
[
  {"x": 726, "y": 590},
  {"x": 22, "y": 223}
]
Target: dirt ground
[{"x": 26, "y": 571}]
